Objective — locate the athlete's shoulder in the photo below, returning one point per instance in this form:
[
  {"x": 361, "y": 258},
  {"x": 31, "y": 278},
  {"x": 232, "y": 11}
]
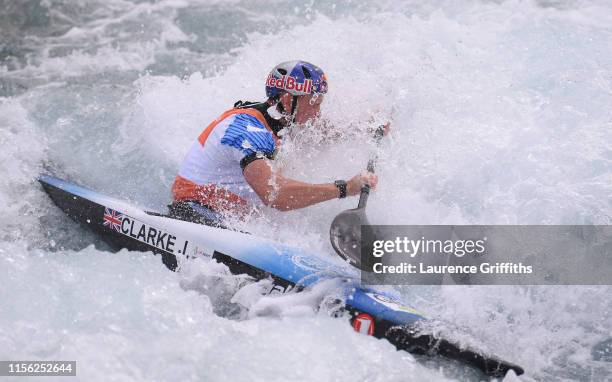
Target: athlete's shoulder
[
  {"x": 248, "y": 134},
  {"x": 248, "y": 122}
]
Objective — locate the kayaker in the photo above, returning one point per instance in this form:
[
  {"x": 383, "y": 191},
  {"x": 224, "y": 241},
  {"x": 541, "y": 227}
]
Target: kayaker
[{"x": 227, "y": 169}]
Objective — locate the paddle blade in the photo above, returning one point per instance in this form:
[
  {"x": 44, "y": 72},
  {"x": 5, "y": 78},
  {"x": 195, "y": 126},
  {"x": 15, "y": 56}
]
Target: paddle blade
[{"x": 345, "y": 236}]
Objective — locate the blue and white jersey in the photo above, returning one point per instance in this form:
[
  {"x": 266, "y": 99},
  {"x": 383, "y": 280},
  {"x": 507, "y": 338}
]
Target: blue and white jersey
[
  {"x": 216, "y": 160},
  {"x": 249, "y": 136}
]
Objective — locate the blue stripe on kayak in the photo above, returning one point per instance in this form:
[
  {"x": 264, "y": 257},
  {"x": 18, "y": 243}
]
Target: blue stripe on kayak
[
  {"x": 292, "y": 264},
  {"x": 365, "y": 300}
]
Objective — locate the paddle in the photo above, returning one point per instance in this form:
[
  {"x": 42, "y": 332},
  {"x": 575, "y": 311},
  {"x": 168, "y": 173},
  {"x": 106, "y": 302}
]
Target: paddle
[{"x": 346, "y": 228}]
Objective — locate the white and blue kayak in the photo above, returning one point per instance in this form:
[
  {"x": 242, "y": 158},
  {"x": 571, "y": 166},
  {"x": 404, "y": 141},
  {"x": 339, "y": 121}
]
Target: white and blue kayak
[{"x": 371, "y": 312}]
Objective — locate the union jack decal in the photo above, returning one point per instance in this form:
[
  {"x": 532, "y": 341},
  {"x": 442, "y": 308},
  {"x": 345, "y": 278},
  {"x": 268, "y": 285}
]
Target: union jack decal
[{"x": 112, "y": 219}]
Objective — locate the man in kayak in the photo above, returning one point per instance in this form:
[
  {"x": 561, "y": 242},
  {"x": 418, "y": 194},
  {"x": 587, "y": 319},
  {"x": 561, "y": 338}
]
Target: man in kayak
[{"x": 227, "y": 169}]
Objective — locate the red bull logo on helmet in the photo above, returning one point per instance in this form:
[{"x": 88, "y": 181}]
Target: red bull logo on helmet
[{"x": 290, "y": 84}]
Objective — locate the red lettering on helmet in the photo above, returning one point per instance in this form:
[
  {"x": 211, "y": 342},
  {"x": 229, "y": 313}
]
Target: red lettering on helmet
[
  {"x": 289, "y": 83},
  {"x": 279, "y": 82}
]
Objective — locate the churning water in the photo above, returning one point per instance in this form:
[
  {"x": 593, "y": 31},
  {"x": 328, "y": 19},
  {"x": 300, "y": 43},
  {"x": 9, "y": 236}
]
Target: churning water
[{"x": 501, "y": 115}]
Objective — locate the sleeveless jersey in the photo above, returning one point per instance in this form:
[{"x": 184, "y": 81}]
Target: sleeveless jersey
[{"x": 211, "y": 173}]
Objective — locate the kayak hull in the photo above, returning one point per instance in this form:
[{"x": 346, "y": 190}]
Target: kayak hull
[{"x": 381, "y": 315}]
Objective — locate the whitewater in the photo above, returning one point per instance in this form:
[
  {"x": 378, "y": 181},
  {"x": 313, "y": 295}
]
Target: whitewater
[{"x": 500, "y": 113}]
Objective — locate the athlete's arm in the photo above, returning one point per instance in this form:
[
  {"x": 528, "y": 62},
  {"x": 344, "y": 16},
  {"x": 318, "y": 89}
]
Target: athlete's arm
[{"x": 286, "y": 194}]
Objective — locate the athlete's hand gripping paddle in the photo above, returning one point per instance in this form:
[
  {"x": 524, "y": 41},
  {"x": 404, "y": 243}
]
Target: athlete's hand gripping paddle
[{"x": 346, "y": 228}]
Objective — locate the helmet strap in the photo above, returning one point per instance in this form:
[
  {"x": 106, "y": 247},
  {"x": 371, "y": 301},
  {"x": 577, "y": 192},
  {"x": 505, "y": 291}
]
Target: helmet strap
[
  {"x": 280, "y": 107},
  {"x": 294, "y": 102}
]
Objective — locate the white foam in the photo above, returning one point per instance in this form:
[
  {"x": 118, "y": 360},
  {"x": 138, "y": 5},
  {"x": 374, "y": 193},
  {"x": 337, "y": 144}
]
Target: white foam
[{"x": 500, "y": 116}]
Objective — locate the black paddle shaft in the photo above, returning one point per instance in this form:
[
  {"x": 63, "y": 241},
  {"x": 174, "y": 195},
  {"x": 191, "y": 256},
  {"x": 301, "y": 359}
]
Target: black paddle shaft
[
  {"x": 346, "y": 228},
  {"x": 365, "y": 190}
]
